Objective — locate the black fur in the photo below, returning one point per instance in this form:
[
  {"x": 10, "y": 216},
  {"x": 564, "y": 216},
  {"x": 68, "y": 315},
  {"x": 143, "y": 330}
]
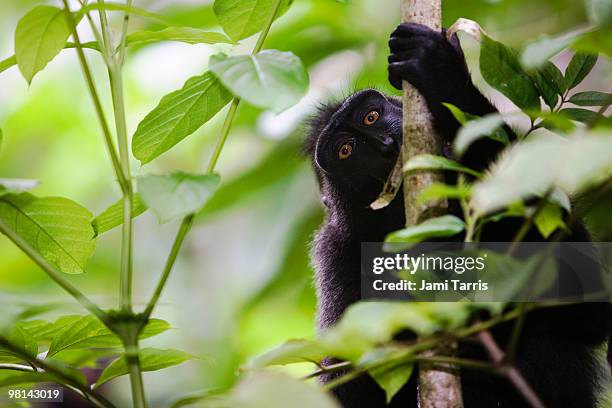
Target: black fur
[{"x": 556, "y": 353}]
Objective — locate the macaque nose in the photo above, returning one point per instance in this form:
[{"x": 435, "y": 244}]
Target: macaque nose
[{"x": 387, "y": 144}]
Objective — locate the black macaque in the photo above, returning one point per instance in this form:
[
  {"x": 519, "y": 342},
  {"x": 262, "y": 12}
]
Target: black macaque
[{"x": 353, "y": 146}]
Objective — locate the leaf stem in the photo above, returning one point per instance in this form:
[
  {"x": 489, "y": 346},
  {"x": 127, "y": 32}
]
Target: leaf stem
[
  {"x": 266, "y": 30},
  {"x": 176, "y": 246},
  {"x": 227, "y": 124},
  {"x": 95, "y": 98},
  {"x": 116, "y": 85},
  {"x": 124, "y": 29},
  {"x": 188, "y": 220},
  {"x": 53, "y": 273}
]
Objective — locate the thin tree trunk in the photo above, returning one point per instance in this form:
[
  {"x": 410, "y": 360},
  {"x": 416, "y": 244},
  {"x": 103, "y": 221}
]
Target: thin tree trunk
[{"x": 439, "y": 387}]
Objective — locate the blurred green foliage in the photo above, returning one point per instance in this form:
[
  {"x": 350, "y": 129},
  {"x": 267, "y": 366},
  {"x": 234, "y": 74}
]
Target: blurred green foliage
[{"x": 244, "y": 282}]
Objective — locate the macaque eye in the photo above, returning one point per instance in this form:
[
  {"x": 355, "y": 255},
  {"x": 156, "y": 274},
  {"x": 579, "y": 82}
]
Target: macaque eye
[
  {"x": 345, "y": 151},
  {"x": 371, "y": 118}
]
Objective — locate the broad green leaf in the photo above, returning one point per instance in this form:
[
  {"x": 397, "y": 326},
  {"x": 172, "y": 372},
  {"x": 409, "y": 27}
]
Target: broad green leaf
[
  {"x": 538, "y": 52},
  {"x": 16, "y": 185},
  {"x": 7, "y": 63},
  {"x": 549, "y": 82},
  {"x": 500, "y": 67},
  {"x": 150, "y": 360},
  {"x": 440, "y": 190},
  {"x": 581, "y": 115},
  {"x": 276, "y": 390},
  {"x": 433, "y": 162},
  {"x": 40, "y": 35},
  {"x": 58, "y": 228},
  {"x": 1, "y": 139},
  {"x": 293, "y": 351},
  {"x": 439, "y": 227},
  {"x": 178, "y": 194},
  {"x": 580, "y": 161},
  {"x": 591, "y": 98},
  {"x": 113, "y": 215},
  {"x": 243, "y": 18},
  {"x": 271, "y": 79},
  {"x": 392, "y": 378},
  {"x": 182, "y": 34},
  {"x": 578, "y": 68},
  {"x": 78, "y": 332},
  {"x": 556, "y": 121},
  {"x": 476, "y": 129},
  {"x": 20, "y": 339},
  {"x": 366, "y": 325},
  {"x": 595, "y": 42},
  {"x": 549, "y": 219},
  {"x": 178, "y": 115}
]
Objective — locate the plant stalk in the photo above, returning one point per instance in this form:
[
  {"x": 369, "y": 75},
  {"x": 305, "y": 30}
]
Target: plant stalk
[
  {"x": 116, "y": 84},
  {"x": 132, "y": 359},
  {"x": 95, "y": 98}
]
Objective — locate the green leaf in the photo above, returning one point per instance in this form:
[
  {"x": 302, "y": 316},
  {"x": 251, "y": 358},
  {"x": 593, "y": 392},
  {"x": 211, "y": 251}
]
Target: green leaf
[
  {"x": 538, "y": 52},
  {"x": 182, "y": 34},
  {"x": 556, "y": 121},
  {"x": 113, "y": 215},
  {"x": 591, "y": 98},
  {"x": 150, "y": 360},
  {"x": 549, "y": 219},
  {"x": 78, "y": 332},
  {"x": 243, "y": 18},
  {"x": 178, "y": 194},
  {"x": 293, "y": 351},
  {"x": 58, "y": 228},
  {"x": 439, "y": 227},
  {"x": 457, "y": 113},
  {"x": 366, "y": 325},
  {"x": 392, "y": 378},
  {"x": 549, "y": 81},
  {"x": 433, "y": 162},
  {"x": 595, "y": 42},
  {"x": 271, "y": 79},
  {"x": 501, "y": 69},
  {"x": 578, "y": 68},
  {"x": 581, "y": 115},
  {"x": 1, "y": 139},
  {"x": 178, "y": 115},
  {"x": 276, "y": 390},
  {"x": 40, "y": 35},
  {"x": 475, "y": 129},
  {"x": 20, "y": 339},
  {"x": 17, "y": 185},
  {"x": 440, "y": 190},
  {"x": 579, "y": 161}
]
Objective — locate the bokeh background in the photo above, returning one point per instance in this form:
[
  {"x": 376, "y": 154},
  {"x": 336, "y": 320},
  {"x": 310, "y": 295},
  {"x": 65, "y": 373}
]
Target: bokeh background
[{"x": 243, "y": 282}]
